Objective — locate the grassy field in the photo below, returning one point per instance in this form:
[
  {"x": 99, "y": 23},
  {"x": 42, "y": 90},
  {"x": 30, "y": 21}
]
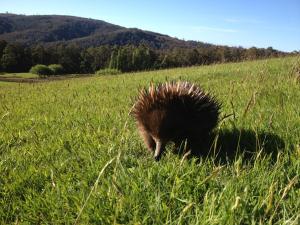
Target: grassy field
[
  {"x": 19, "y": 75},
  {"x": 70, "y": 153}
]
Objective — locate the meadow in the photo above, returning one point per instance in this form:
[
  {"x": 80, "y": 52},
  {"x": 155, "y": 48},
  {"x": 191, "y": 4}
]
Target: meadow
[
  {"x": 19, "y": 75},
  {"x": 71, "y": 154}
]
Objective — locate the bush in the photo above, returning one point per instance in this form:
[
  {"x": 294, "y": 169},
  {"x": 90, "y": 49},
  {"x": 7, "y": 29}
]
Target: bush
[
  {"x": 41, "y": 70},
  {"x": 56, "y": 69},
  {"x": 108, "y": 72}
]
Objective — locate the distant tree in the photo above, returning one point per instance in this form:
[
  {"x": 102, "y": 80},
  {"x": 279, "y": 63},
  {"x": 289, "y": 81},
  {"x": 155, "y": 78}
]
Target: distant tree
[
  {"x": 100, "y": 57},
  {"x": 236, "y": 54},
  {"x": 166, "y": 61},
  {"x": 41, "y": 70},
  {"x": 142, "y": 58},
  {"x": 270, "y": 52},
  {"x": 86, "y": 62},
  {"x": 2, "y": 47},
  {"x": 193, "y": 57},
  {"x": 113, "y": 63},
  {"x": 252, "y": 53},
  {"x": 26, "y": 62},
  {"x": 179, "y": 57},
  {"x": 223, "y": 54},
  {"x": 124, "y": 59},
  {"x": 40, "y": 55},
  {"x": 206, "y": 56},
  {"x": 9, "y": 59},
  {"x": 70, "y": 58},
  {"x": 138, "y": 57},
  {"x": 56, "y": 69},
  {"x": 15, "y": 58}
]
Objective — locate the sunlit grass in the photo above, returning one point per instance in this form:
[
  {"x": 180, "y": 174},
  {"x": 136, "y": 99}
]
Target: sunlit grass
[
  {"x": 19, "y": 75},
  {"x": 70, "y": 153}
]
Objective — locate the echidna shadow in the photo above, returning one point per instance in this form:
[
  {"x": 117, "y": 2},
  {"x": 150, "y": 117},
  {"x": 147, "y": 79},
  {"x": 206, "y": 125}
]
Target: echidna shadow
[
  {"x": 228, "y": 144},
  {"x": 175, "y": 112}
]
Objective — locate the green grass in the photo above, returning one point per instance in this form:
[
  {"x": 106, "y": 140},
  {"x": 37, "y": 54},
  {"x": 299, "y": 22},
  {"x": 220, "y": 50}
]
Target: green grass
[
  {"x": 70, "y": 154},
  {"x": 19, "y": 75}
]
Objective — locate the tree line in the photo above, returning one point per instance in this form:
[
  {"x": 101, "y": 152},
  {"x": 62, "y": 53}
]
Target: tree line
[{"x": 74, "y": 59}]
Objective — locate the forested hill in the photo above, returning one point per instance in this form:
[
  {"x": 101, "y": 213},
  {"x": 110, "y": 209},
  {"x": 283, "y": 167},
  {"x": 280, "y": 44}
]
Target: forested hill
[
  {"x": 82, "y": 45},
  {"x": 54, "y": 29}
]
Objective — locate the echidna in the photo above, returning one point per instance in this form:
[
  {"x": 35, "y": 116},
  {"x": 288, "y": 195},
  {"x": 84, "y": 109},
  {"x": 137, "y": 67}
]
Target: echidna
[{"x": 175, "y": 111}]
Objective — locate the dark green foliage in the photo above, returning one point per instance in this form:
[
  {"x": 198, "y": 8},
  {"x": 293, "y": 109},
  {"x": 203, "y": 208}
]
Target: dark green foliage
[
  {"x": 97, "y": 58},
  {"x": 70, "y": 58},
  {"x": 2, "y": 46},
  {"x": 56, "y": 69},
  {"x": 131, "y": 58},
  {"x": 124, "y": 59},
  {"x": 41, "y": 70},
  {"x": 113, "y": 63},
  {"x": 143, "y": 58},
  {"x": 40, "y": 55},
  {"x": 15, "y": 58}
]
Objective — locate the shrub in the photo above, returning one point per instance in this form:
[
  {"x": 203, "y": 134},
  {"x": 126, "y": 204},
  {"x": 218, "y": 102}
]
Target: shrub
[
  {"x": 41, "y": 70},
  {"x": 56, "y": 69},
  {"x": 108, "y": 72}
]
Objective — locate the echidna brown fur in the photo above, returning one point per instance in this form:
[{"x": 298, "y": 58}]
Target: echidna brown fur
[{"x": 175, "y": 112}]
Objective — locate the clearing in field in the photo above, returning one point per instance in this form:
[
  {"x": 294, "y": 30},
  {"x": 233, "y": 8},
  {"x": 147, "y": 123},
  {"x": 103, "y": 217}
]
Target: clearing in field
[{"x": 70, "y": 153}]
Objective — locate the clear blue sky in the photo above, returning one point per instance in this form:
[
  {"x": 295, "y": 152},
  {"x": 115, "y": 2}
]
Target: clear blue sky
[{"x": 246, "y": 23}]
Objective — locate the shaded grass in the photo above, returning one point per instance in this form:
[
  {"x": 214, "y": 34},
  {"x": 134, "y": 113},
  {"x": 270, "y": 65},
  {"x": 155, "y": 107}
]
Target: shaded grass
[{"x": 57, "y": 141}]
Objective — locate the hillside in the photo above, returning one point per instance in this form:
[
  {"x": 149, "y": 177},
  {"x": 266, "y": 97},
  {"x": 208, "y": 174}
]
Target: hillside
[
  {"x": 71, "y": 154},
  {"x": 54, "y": 29},
  {"x": 84, "y": 45}
]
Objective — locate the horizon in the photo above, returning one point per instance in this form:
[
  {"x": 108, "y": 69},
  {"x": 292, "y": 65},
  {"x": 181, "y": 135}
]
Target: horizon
[{"x": 236, "y": 24}]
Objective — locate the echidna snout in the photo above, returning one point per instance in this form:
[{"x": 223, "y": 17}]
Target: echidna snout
[{"x": 175, "y": 111}]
